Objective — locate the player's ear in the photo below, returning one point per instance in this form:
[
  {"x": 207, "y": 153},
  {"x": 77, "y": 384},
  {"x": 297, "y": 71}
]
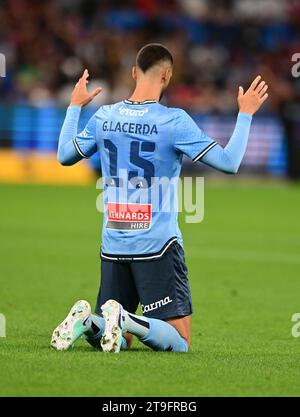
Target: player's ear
[
  {"x": 166, "y": 75},
  {"x": 134, "y": 73}
]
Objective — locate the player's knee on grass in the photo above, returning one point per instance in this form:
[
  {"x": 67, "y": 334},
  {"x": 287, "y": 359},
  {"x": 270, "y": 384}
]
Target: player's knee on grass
[
  {"x": 183, "y": 326},
  {"x": 157, "y": 334},
  {"x": 164, "y": 337},
  {"x": 180, "y": 346}
]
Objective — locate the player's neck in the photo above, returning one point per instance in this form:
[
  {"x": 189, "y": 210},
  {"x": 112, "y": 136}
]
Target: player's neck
[{"x": 145, "y": 93}]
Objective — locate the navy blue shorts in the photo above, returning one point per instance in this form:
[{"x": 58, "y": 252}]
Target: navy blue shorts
[{"x": 161, "y": 286}]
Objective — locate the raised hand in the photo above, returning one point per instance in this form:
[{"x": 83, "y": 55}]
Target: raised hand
[
  {"x": 250, "y": 101},
  {"x": 80, "y": 95}
]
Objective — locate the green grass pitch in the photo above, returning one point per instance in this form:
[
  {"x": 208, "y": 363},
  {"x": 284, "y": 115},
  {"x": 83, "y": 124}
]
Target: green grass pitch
[{"x": 244, "y": 268}]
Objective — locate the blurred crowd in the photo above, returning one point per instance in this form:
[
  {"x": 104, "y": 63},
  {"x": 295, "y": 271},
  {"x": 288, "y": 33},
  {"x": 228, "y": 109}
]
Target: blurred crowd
[{"x": 217, "y": 45}]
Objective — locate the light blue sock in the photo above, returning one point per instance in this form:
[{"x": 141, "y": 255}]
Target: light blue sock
[
  {"x": 157, "y": 334},
  {"x": 94, "y": 334}
]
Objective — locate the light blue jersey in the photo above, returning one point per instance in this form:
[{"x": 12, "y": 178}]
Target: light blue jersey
[{"x": 141, "y": 147}]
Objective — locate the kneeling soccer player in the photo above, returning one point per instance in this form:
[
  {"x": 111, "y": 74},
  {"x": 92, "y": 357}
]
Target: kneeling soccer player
[{"x": 139, "y": 141}]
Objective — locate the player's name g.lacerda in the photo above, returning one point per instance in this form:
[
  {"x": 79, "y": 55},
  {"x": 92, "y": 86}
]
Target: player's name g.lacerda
[{"x": 153, "y": 406}]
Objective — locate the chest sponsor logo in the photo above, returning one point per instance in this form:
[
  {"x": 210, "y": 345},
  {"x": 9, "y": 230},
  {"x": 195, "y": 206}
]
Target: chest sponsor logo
[
  {"x": 132, "y": 112},
  {"x": 125, "y": 216}
]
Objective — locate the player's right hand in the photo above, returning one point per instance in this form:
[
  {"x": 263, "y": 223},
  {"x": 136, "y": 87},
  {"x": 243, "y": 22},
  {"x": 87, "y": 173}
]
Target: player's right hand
[
  {"x": 250, "y": 101},
  {"x": 80, "y": 95}
]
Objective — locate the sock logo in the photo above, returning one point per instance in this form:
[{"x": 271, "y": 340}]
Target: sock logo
[{"x": 157, "y": 304}]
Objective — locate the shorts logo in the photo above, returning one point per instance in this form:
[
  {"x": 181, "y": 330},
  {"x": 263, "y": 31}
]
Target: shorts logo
[
  {"x": 157, "y": 304},
  {"x": 125, "y": 216}
]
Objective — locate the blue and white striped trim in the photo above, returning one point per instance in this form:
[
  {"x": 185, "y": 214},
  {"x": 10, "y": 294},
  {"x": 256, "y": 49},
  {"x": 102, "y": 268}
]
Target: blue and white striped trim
[
  {"x": 158, "y": 255},
  {"x": 78, "y": 149},
  {"x": 202, "y": 153},
  {"x": 139, "y": 102}
]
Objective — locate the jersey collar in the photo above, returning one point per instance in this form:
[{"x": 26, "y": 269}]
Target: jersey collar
[{"x": 140, "y": 102}]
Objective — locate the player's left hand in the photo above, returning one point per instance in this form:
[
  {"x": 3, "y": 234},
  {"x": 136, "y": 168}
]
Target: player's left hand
[
  {"x": 250, "y": 101},
  {"x": 80, "y": 95}
]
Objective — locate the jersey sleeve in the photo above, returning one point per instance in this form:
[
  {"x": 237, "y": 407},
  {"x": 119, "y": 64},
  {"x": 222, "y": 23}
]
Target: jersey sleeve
[
  {"x": 85, "y": 142},
  {"x": 189, "y": 138}
]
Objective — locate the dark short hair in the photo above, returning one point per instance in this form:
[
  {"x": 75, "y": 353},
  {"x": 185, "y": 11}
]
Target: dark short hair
[{"x": 152, "y": 54}]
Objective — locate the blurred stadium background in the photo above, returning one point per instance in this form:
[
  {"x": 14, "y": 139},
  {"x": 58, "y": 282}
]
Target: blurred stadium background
[
  {"x": 217, "y": 44},
  {"x": 243, "y": 259}
]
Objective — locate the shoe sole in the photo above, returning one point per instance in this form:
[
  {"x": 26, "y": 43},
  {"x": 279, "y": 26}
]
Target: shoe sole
[
  {"x": 112, "y": 337},
  {"x": 69, "y": 330}
]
